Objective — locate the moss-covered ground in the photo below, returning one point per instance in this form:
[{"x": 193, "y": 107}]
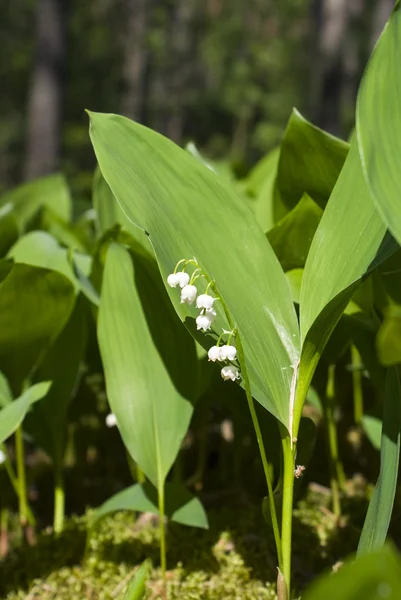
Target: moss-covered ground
[{"x": 234, "y": 559}]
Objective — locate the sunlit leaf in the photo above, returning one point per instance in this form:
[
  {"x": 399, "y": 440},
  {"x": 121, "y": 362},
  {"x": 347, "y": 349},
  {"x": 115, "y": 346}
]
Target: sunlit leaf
[
  {"x": 292, "y": 236},
  {"x": 259, "y": 186},
  {"x": 13, "y": 414},
  {"x": 372, "y": 427},
  {"x": 389, "y": 337},
  {"x": 40, "y": 249},
  {"x": 227, "y": 242},
  {"x": 378, "y": 517},
  {"x": 349, "y": 242},
  {"x": 8, "y": 228},
  {"x": 310, "y": 162},
  {"x": 137, "y": 586},
  {"x": 35, "y": 304},
  {"x": 180, "y": 505},
  {"x": 149, "y": 362},
  {"x": 372, "y": 577},
  {"x": 51, "y": 192},
  {"x": 378, "y": 123}
]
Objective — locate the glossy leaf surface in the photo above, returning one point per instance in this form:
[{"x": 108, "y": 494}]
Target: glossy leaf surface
[
  {"x": 149, "y": 361},
  {"x": 250, "y": 280},
  {"x": 349, "y": 241},
  {"x": 35, "y": 304},
  {"x": 378, "y": 123},
  {"x": 310, "y": 162},
  {"x": 378, "y": 517},
  {"x": 292, "y": 236},
  {"x": 13, "y": 414},
  {"x": 51, "y": 192},
  {"x": 180, "y": 505}
]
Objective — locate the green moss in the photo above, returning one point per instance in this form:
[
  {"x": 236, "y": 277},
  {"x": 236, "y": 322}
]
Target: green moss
[{"x": 234, "y": 559}]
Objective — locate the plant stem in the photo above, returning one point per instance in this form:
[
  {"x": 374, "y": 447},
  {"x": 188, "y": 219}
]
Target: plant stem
[
  {"x": 288, "y": 495},
  {"x": 262, "y": 451},
  {"x": 357, "y": 385},
  {"x": 336, "y": 470},
  {"x": 14, "y": 482},
  {"x": 59, "y": 498},
  {"x": 259, "y": 437},
  {"x": 162, "y": 535},
  {"x": 22, "y": 497}
]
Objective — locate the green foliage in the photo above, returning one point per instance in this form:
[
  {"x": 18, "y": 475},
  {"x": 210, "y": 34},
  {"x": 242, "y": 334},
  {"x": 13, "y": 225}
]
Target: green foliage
[
  {"x": 180, "y": 505},
  {"x": 378, "y": 124},
  {"x": 372, "y": 577},
  {"x": 35, "y": 303},
  {"x": 49, "y": 193},
  {"x": 381, "y": 505},
  {"x": 203, "y": 199},
  {"x": 310, "y": 162},
  {"x": 12, "y": 415},
  {"x": 340, "y": 255},
  {"x": 150, "y": 389},
  {"x": 136, "y": 589}
]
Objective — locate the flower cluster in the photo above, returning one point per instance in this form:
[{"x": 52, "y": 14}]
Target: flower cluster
[{"x": 207, "y": 315}]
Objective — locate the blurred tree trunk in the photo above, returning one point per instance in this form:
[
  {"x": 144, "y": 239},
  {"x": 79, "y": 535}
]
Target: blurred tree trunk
[
  {"x": 46, "y": 90},
  {"x": 355, "y": 56},
  {"x": 181, "y": 64},
  {"x": 135, "y": 60},
  {"x": 330, "y": 24},
  {"x": 380, "y": 15}
]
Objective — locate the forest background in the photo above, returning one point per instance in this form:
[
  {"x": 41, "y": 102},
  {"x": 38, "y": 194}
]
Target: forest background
[{"x": 222, "y": 73}]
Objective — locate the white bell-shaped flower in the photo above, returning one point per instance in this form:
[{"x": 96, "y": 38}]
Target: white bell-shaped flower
[
  {"x": 183, "y": 279},
  {"x": 230, "y": 372},
  {"x": 188, "y": 294},
  {"x": 111, "y": 420},
  {"x": 204, "y": 320},
  {"x": 172, "y": 280},
  {"x": 214, "y": 353},
  {"x": 3, "y": 457},
  {"x": 205, "y": 301},
  {"x": 228, "y": 352}
]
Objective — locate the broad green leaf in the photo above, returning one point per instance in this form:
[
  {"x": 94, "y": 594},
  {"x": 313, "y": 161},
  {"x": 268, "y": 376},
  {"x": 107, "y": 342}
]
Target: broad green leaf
[
  {"x": 310, "y": 162},
  {"x": 180, "y": 505},
  {"x": 82, "y": 266},
  {"x": 259, "y": 186},
  {"x": 188, "y": 211},
  {"x": 149, "y": 362},
  {"x": 61, "y": 364},
  {"x": 13, "y": 414},
  {"x": 6, "y": 395},
  {"x": 372, "y": 427},
  {"x": 8, "y": 228},
  {"x": 349, "y": 241},
  {"x": 137, "y": 586},
  {"x": 51, "y": 192},
  {"x": 65, "y": 232},
  {"x": 222, "y": 168},
  {"x": 292, "y": 236},
  {"x": 389, "y": 337},
  {"x": 378, "y": 517},
  {"x": 35, "y": 304},
  {"x": 372, "y": 577},
  {"x": 109, "y": 213},
  {"x": 378, "y": 123},
  {"x": 40, "y": 249}
]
